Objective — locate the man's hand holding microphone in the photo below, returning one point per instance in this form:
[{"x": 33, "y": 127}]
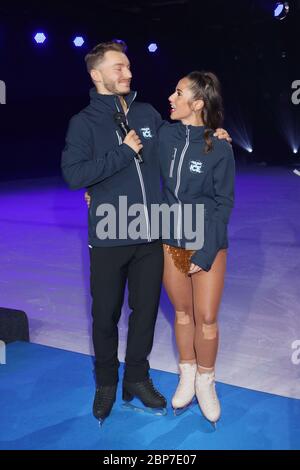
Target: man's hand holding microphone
[{"x": 133, "y": 141}]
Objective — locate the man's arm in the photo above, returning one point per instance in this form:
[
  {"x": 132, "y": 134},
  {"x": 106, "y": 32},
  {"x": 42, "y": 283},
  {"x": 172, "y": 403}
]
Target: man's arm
[{"x": 82, "y": 165}]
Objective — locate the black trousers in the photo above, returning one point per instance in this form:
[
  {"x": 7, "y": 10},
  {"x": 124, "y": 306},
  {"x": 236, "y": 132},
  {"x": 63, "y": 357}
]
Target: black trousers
[{"x": 111, "y": 267}]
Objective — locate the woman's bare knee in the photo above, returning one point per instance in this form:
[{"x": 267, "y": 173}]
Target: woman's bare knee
[{"x": 183, "y": 316}]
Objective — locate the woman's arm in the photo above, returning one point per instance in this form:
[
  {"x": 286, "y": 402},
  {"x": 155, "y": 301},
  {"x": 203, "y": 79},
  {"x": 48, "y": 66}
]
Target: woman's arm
[{"x": 216, "y": 232}]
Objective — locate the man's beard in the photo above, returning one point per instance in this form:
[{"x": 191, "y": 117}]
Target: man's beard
[{"x": 111, "y": 87}]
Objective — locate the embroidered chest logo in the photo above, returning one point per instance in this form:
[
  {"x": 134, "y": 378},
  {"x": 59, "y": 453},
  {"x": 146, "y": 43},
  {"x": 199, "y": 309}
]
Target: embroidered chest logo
[
  {"x": 146, "y": 131},
  {"x": 196, "y": 166}
]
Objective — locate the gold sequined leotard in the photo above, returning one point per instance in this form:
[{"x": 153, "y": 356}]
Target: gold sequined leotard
[{"x": 181, "y": 257}]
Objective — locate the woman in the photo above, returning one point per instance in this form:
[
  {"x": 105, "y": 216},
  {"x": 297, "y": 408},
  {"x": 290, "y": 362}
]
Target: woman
[{"x": 197, "y": 168}]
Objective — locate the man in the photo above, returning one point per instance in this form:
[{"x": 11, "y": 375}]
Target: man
[{"x": 95, "y": 157}]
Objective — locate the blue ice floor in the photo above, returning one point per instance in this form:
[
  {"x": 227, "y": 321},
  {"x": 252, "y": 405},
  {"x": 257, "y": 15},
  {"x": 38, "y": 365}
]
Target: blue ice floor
[{"x": 46, "y": 396}]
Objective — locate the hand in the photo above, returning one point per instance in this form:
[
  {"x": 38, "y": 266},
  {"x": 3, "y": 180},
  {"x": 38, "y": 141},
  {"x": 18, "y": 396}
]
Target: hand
[
  {"x": 194, "y": 269},
  {"x": 222, "y": 134},
  {"x": 133, "y": 141},
  {"x": 87, "y": 198}
]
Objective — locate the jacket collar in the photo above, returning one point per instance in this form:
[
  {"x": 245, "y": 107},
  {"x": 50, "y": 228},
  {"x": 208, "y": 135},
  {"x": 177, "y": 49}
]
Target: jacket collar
[
  {"x": 100, "y": 101},
  {"x": 195, "y": 133}
]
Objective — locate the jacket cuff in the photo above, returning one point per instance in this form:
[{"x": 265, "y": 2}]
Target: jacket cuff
[
  {"x": 201, "y": 259},
  {"x": 127, "y": 151}
]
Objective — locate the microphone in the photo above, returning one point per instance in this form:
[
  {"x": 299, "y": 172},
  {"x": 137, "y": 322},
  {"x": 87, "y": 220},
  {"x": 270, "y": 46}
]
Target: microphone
[{"x": 120, "y": 120}]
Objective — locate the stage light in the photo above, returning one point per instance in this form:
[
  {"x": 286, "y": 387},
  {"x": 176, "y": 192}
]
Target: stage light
[
  {"x": 120, "y": 41},
  {"x": 281, "y": 10},
  {"x": 40, "y": 38},
  {"x": 278, "y": 9},
  {"x": 287, "y": 124},
  {"x": 78, "y": 41},
  {"x": 241, "y": 136},
  {"x": 152, "y": 47}
]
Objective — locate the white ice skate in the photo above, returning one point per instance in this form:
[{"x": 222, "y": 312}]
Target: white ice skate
[
  {"x": 207, "y": 396},
  {"x": 185, "y": 391}
]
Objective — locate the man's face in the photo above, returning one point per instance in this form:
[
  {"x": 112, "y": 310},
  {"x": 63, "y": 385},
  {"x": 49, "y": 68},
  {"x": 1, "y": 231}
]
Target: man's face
[{"x": 113, "y": 75}]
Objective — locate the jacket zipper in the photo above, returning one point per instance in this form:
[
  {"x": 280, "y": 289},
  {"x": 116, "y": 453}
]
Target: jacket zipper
[
  {"x": 144, "y": 199},
  {"x": 140, "y": 178},
  {"x": 179, "y": 221},
  {"x": 173, "y": 163},
  {"x": 119, "y": 138}
]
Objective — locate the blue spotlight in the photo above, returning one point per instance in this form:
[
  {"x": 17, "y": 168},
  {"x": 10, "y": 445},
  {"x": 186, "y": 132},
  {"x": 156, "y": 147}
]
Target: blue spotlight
[
  {"x": 152, "y": 47},
  {"x": 295, "y": 150},
  {"x": 278, "y": 9},
  {"x": 40, "y": 38},
  {"x": 78, "y": 41},
  {"x": 249, "y": 149},
  {"x": 120, "y": 41},
  {"x": 281, "y": 10}
]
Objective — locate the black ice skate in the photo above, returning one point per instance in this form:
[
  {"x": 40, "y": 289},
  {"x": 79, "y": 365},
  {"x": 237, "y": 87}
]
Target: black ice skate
[{"x": 152, "y": 400}]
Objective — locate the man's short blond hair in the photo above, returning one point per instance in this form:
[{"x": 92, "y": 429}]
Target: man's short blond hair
[{"x": 96, "y": 55}]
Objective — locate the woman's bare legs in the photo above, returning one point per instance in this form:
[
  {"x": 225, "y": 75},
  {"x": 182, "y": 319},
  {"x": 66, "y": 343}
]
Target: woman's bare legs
[
  {"x": 207, "y": 294},
  {"x": 179, "y": 289}
]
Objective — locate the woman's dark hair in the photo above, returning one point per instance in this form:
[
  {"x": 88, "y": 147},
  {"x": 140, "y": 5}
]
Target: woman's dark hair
[{"x": 206, "y": 86}]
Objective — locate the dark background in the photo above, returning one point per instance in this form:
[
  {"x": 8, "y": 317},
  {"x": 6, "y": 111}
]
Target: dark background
[{"x": 255, "y": 56}]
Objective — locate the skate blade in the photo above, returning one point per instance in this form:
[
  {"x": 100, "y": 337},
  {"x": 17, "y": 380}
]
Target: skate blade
[
  {"x": 138, "y": 409},
  {"x": 180, "y": 411},
  {"x": 213, "y": 424}
]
